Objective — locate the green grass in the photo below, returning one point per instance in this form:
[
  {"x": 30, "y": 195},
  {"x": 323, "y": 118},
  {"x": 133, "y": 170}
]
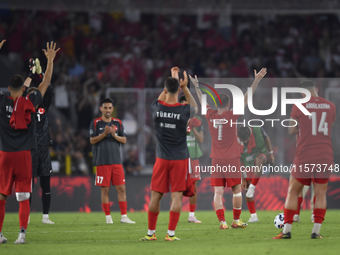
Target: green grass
[{"x": 81, "y": 233}]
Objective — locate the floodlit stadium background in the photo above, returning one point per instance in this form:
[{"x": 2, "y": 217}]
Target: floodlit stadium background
[{"x": 125, "y": 49}]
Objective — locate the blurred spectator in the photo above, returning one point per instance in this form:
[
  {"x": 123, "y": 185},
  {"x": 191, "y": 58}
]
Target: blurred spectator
[{"x": 131, "y": 164}]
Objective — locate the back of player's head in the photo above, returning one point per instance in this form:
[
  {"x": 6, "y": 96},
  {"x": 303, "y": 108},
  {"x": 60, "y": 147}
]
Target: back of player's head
[
  {"x": 107, "y": 100},
  {"x": 182, "y": 98},
  {"x": 16, "y": 82},
  {"x": 243, "y": 133},
  {"x": 171, "y": 85},
  {"x": 31, "y": 90},
  {"x": 307, "y": 84},
  {"x": 224, "y": 100}
]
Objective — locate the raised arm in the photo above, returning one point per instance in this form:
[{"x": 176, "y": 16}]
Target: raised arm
[
  {"x": 184, "y": 86},
  {"x": 198, "y": 91},
  {"x": 50, "y": 53},
  {"x": 2, "y": 43},
  {"x": 258, "y": 78}
]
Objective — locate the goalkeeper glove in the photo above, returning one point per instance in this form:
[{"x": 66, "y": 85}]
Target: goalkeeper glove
[{"x": 32, "y": 68}]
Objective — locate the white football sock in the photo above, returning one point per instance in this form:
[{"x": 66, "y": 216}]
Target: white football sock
[
  {"x": 316, "y": 228},
  {"x": 171, "y": 232},
  {"x": 191, "y": 214},
  {"x": 287, "y": 228},
  {"x": 253, "y": 215},
  {"x": 151, "y": 232}
]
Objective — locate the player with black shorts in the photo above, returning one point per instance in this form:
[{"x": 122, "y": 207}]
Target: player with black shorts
[
  {"x": 171, "y": 167},
  {"x": 17, "y": 139},
  {"x": 106, "y": 135},
  {"x": 41, "y": 160}
]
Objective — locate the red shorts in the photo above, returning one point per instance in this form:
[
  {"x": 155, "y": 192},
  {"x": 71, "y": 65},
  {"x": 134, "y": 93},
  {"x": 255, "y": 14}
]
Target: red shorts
[
  {"x": 195, "y": 169},
  {"x": 169, "y": 172},
  {"x": 110, "y": 173},
  {"x": 15, "y": 167},
  {"x": 227, "y": 172},
  {"x": 312, "y": 172}
]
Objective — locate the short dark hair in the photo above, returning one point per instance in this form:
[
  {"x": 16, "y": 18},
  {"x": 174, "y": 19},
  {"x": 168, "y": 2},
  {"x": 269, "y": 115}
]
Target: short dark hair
[
  {"x": 16, "y": 82},
  {"x": 107, "y": 100},
  {"x": 171, "y": 84},
  {"x": 243, "y": 133},
  {"x": 182, "y": 98},
  {"x": 307, "y": 84},
  {"x": 224, "y": 99}
]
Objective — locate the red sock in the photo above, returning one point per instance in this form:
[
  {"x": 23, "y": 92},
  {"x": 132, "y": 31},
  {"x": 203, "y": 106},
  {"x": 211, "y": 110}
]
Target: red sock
[
  {"x": 123, "y": 207},
  {"x": 220, "y": 215},
  {"x": 152, "y": 219},
  {"x": 251, "y": 207},
  {"x": 24, "y": 213},
  {"x": 192, "y": 208},
  {"x": 289, "y": 215},
  {"x": 174, "y": 217},
  {"x": 319, "y": 215},
  {"x": 255, "y": 180},
  {"x": 314, "y": 202},
  {"x": 237, "y": 213},
  {"x": 106, "y": 208},
  {"x": 300, "y": 199},
  {"x": 2, "y": 213}
]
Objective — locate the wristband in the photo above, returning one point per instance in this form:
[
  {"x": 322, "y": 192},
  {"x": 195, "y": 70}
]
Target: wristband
[{"x": 271, "y": 152}]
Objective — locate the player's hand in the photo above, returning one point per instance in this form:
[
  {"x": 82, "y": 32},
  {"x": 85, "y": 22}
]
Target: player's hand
[
  {"x": 50, "y": 51},
  {"x": 184, "y": 83},
  {"x": 244, "y": 184},
  {"x": 194, "y": 80},
  {"x": 261, "y": 74},
  {"x": 175, "y": 72},
  {"x": 32, "y": 68},
  {"x": 113, "y": 130},
  {"x": 107, "y": 130},
  {"x": 271, "y": 158},
  {"x": 2, "y": 43}
]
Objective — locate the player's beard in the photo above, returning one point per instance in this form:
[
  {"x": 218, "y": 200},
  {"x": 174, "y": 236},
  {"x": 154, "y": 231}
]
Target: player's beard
[{"x": 108, "y": 115}]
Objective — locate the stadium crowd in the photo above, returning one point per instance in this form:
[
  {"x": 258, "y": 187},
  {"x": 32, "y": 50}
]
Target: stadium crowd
[{"x": 103, "y": 50}]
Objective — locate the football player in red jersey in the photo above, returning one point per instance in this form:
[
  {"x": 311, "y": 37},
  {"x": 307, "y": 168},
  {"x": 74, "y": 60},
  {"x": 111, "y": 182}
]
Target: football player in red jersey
[
  {"x": 313, "y": 160},
  {"x": 225, "y": 153}
]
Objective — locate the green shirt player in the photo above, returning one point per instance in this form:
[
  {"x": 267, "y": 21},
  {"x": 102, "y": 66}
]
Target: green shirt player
[
  {"x": 194, "y": 137},
  {"x": 255, "y": 148}
]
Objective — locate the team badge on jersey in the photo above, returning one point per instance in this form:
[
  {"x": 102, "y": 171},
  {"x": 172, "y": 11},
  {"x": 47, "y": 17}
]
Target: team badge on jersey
[{"x": 41, "y": 110}]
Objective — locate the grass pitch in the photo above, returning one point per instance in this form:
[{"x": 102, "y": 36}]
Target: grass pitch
[{"x": 81, "y": 233}]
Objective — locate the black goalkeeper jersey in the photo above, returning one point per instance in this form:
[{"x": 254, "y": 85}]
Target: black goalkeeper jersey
[
  {"x": 11, "y": 139},
  {"x": 170, "y": 126},
  {"x": 43, "y": 137},
  {"x": 107, "y": 151}
]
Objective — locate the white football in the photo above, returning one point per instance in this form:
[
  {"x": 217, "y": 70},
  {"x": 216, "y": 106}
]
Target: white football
[{"x": 279, "y": 220}]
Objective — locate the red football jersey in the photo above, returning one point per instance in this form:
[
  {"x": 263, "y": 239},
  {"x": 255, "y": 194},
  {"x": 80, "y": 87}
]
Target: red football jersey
[
  {"x": 314, "y": 135},
  {"x": 224, "y": 142}
]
